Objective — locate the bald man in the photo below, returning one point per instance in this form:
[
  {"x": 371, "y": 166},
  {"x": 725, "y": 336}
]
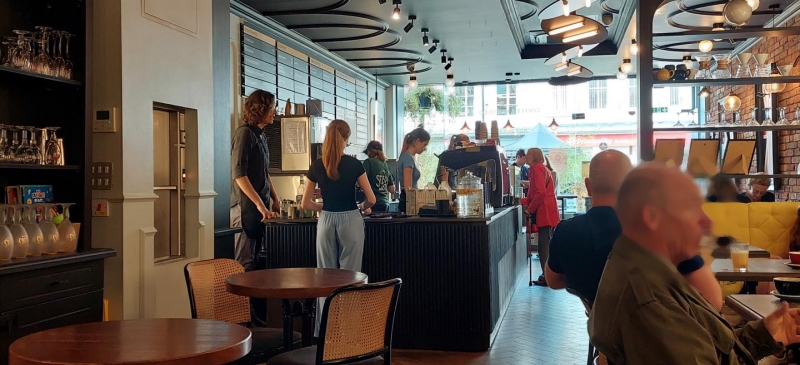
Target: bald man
[
  {"x": 645, "y": 312},
  {"x": 580, "y": 246}
]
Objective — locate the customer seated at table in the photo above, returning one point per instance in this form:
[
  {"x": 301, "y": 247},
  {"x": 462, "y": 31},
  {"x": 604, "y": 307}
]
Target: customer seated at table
[
  {"x": 645, "y": 312},
  {"x": 721, "y": 189},
  {"x": 757, "y": 190},
  {"x": 794, "y": 236},
  {"x": 580, "y": 246}
]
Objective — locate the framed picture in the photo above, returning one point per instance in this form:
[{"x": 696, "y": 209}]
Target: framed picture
[
  {"x": 703, "y": 157},
  {"x": 738, "y": 156},
  {"x": 670, "y": 151}
]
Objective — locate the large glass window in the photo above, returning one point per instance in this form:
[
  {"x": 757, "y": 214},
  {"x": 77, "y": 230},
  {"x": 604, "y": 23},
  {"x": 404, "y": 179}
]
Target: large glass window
[
  {"x": 468, "y": 94},
  {"x": 597, "y": 94},
  {"x": 632, "y": 93},
  {"x": 506, "y": 99}
]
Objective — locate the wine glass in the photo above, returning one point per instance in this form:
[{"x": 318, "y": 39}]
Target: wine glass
[
  {"x": 737, "y": 119},
  {"x": 22, "y": 54},
  {"x": 52, "y": 151},
  {"x": 692, "y": 114},
  {"x": 14, "y": 143},
  {"x": 7, "y": 61},
  {"x": 58, "y": 61},
  {"x": 35, "y": 236},
  {"x": 49, "y": 231},
  {"x": 782, "y": 116},
  {"x": 43, "y": 62},
  {"x": 25, "y": 153},
  {"x": 753, "y": 118},
  {"x": 19, "y": 233},
  {"x": 6, "y": 238},
  {"x": 768, "y": 118},
  {"x": 6, "y": 152},
  {"x": 796, "y": 120},
  {"x": 710, "y": 122},
  {"x": 37, "y": 150},
  {"x": 68, "y": 238},
  {"x": 68, "y": 62}
]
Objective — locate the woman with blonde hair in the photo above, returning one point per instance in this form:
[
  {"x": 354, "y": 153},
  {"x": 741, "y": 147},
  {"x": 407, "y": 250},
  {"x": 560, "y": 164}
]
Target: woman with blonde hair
[
  {"x": 541, "y": 205},
  {"x": 721, "y": 189}
]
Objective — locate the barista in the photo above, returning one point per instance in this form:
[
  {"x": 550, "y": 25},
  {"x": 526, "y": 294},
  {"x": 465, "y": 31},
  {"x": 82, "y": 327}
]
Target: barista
[
  {"x": 379, "y": 176},
  {"x": 446, "y": 174},
  {"x": 414, "y": 143}
]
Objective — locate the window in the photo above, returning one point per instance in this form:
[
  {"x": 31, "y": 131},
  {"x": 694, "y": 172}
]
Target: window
[
  {"x": 597, "y": 94},
  {"x": 632, "y": 91},
  {"x": 674, "y": 96},
  {"x": 468, "y": 94},
  {"x": 560, "y": 94},
  {"x": 506, "y": 99}
]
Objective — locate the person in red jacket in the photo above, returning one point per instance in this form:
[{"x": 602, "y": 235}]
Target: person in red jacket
[{"x": 541, "y": 205}]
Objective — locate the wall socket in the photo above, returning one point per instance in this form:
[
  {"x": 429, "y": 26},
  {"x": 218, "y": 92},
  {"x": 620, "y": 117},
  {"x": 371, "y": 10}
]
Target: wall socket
[{"x": 101, "y": 177}]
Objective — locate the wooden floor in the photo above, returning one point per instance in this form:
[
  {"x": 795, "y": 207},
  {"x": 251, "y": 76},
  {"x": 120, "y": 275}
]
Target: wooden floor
[{"x": 542, "y": 326}]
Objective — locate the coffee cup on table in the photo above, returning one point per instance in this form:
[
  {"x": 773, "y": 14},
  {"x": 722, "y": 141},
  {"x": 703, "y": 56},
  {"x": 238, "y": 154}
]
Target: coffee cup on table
[
  {"x": 787, "y": 286},
  {"x": 794, "y": 256}
]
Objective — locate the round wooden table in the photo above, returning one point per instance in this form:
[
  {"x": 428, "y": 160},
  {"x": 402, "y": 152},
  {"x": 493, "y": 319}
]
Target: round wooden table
[
  {"x": 174, "y": 341},
  {"x": 293, "y": 283}
]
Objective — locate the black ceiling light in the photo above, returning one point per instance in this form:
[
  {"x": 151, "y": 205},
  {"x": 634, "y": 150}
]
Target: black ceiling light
[
  {"x": 425, "y": 37},
  {"x": 435, "y": 44},
  {"x": 444, "y": 56},
  {"x": 381, "y": 2},
  {"x": 411, "y": 19},
  {"x": 449, "y": 64},
  {"x": 396, "y": 11}
]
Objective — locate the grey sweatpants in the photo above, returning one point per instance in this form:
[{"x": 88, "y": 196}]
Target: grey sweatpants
[{"x": 340, "y": 245}]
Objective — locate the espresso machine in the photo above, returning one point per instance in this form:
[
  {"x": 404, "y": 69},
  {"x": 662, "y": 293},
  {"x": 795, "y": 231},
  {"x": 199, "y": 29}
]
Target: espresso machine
[{"x": 487, "y": 162}]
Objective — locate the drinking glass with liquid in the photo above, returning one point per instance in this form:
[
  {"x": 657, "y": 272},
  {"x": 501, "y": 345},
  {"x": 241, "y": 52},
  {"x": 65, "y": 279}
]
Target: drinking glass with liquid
[{"x": 740, "y": 255}]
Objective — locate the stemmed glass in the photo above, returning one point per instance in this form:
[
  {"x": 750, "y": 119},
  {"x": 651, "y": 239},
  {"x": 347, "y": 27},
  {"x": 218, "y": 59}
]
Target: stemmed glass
[
  {"x": 692, "y": 115},
  {"x": 796, "y": 120},
  {"x": 14, "y": 143},
  {"x": 22, "y": 54},
  {"x": 7, "y": 61},
  {"x": 58, "y": 61},
  {"x": 52, "y": 150},
  {"x": 782, "y": 116},
  {"x": 68, "y": 238},
  {"x": 678, "y": 123},
  {"x": 6, "y": 152},
  {"x": 768, "y": 117},
  {"x": 19, "y": 233},
  {"x": 737, "y": 119},
  {"x": 6, "y": 238},
  {"x": 35, "y": 149},
  {"x": 68, "y": 63},
  {"x": 35, "y": 236},
  {"x": 25, "y": 153},
  {"x": 49, "y": 231},
  {"x": 43, "y": 63},
  {"x": 710, "y": 122},
  {"x": 753, "y": 118}
]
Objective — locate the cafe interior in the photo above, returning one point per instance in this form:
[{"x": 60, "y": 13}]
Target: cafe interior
[{"x": 123, "y": 222}]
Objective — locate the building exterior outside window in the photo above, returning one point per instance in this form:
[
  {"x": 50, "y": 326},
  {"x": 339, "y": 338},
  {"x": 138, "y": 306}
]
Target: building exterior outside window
[{"x": 597, "y": 94}]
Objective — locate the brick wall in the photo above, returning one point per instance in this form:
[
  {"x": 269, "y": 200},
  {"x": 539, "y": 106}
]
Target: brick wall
[{"x": 783, "y": 51}]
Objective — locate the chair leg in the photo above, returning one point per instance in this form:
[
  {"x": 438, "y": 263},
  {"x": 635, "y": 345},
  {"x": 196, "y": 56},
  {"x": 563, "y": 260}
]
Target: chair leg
[{"x": 590, "y": 360}]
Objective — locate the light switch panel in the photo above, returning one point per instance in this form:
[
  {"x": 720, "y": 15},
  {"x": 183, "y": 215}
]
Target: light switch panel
[{"x": 102, "y": 173}]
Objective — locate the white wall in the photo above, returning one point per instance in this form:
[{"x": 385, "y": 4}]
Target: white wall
[{"x": 150, "y": 51}]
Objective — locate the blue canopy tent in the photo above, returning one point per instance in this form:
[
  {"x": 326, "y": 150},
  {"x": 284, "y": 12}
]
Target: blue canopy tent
[{"x": 539, "y": 137}]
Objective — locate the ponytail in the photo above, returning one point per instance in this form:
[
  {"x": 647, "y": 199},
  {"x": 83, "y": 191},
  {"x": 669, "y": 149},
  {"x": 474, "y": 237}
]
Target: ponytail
[
  {"x": 332, "y": 150},
  {"x": 417, "y": 134}
]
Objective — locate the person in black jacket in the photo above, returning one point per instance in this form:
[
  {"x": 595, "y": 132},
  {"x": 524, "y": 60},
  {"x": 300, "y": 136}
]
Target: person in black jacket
[
  {"x": 251, "y": 193},
  {"x": 757, "y": 189}
]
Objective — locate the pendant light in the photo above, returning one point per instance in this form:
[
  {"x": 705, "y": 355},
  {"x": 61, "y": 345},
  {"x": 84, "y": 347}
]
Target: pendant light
[
  {"x": 705, "y": 46},
  {"x": 566, "y": 28},
  {"x": 627, "y": 66},
  {"x": 621, "y": 75},
  {"x": 634, "y": 47},
  {"x": 465, "y": 128},
  {"x": 704, "y": 92},
  {"x": 565, "y": 5},
  {"x": 737, "y": 13},
  {"x": 775, "y": 87},
  {"x": 553, "y": 125},
  {"x": 753, "y": 4},
  {"x": 580, "y": 36},
  {"x": 508, "y": 127},
  {"x": 412, "y": 82},
  {"x": 732, "y": 103}
]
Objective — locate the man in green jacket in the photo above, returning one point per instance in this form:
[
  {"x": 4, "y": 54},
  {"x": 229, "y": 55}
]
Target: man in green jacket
[{"x": 645, "y": 312}]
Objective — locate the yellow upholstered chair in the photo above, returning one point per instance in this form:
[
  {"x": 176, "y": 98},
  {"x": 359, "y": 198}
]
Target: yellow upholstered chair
[
  {"x": 770, "y": 226},
  {"x": 729, "y": 219}
]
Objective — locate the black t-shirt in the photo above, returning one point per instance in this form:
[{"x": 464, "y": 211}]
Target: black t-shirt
[
  {"x": 337, "y": 195},
  {"x": 768, "y": 197},
  {"x": 580, "y": 247},
  {"x": 249, "y": 157}
]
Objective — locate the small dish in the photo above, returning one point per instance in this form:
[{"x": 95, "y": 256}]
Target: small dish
[
  {"x": 793, "y": 266},
  {"x": 791, "y": 298}
]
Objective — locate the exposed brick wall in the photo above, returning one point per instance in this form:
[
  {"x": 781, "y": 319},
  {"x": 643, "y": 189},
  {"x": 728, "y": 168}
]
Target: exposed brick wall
[{"x": 783, "y": 51}]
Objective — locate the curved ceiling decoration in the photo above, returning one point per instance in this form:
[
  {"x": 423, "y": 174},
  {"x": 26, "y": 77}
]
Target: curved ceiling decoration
[
  {"x": 396, "y": 61},
  {"x": 611, "y": 8},
  {"x": 534, "y": 8},
  {"x": 285, "y": 7},
  {"x": 584, "y": 74},
  {"x": 556, "y": 9},
  {"x": 589, "y": 25},
  {"x": 695, "y": 14},
  {"x": 566, "y": 80},
  {"x": 377, "y": 27},
  {"x": 569, "y": 54}
]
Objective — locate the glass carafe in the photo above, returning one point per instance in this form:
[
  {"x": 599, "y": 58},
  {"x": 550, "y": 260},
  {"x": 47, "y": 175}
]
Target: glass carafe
[
  {"x": 782, "y": 116},
  {"x": 722, "y": 66},
  {"x": 49, "y": 231},
  {"x": 768, "y": 117},
  {"x": 6, "y": 238},
  {"x": 753, "y": 118},
  {"x": 52, "y": 151},
  {"x": 743, "y": 70},
  {"x": 469, "y": 196},
  {"x": 19, "y": 232},
  {"x": 704, "y": 67},
  {"x": 68, "y": 238},
  {"x": 35, "y": 236}
]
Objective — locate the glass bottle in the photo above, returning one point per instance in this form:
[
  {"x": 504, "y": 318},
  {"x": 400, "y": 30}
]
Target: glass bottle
[
  {"x": 68, "y": 238},
  {"x": 49, "y": 231},
  {"x": 19, "y": 233},
  {"x": 35, "y": 236},
  {"x": 6, "y": 238}
]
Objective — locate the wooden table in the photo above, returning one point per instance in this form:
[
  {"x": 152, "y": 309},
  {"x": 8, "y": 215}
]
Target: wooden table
[
  {"x": 176, "y": 341},
  {"x": 757, "y": 270},
  {"x": 758, "y": 252},
  {"x": 753, "y": 307},
  {"x": 293, "y": 283}
]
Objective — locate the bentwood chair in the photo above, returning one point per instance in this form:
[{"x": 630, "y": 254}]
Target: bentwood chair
[
  {"x": 209, "y": 300},
  {"x": 356, "y": 328}
]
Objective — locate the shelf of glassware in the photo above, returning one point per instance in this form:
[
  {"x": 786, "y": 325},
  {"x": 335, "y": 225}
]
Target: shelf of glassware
[
  {"x": 728, "y": 128},
  {"x": 17, "y": 166},
  {"x": 731, "y": 81},
  {"x": 12, "y": 70}
]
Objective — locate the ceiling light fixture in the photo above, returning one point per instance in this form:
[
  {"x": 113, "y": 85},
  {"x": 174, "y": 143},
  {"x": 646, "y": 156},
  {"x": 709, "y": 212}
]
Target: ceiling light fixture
[
  {"x": 562, "y": 66},
  {"x": 433, "y": 48},
  {"x": 449, "y": 64},
  {"x": 575, "y": 71},
  {"x": 704, "y": 92},
  {"x": 553, "y": 125},
  {"x": 718, "y": 27},
  {"x": 444, "y": 56},
  {"x": 412, "y": 81},
  {"x": 588, "y": 3},
  {"x": 410, "y": 25},
  {"x": 705, "y": 46},
  {"x": 451, "y": 81},
  {"x": 627, "y": 66},
  {"x": 565, "y": 4},
  {"x": 634, "y": 47},
  {"x": 425, "y": 37},
  {"x": 687, "y": 61},
  {"x": 396, "y": 11},
  {"x": 732, "y": 103},
  {"x": 753, "y": 4},
  {"x": 508, "y": 127},
  {"x": 580, "y": 51},
  {"x": 737, "y": 13},
  {"x": 775, "y": 87},
  {"x": 576, "y": 37},
  {"x": 563, "y": 57},
  {"x": 381, "y": 2},
  {"x": 465, "y": 128},
  {"x": 621, "y": 75},
  {"x": 566, "y": 28}
]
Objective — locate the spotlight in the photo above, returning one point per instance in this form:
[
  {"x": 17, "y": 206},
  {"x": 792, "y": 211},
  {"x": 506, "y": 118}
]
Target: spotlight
[
  {"x": 381, "y": 2},
  {"x": 621, "y": 75},
  {"x": 425, "y": 37},
  {"x": 412, "y": 82},
  {"x": 627, "y": 66},
  {"x": 565, "y": 4},
  {"x": 435, "y": 44},
  {"x": 451, "y": 81},
  {"x": 580, "y": 51},
  {"x": 444, "y": 56},
  {"x": 704, "y": 92},
  {"x": 634, "y": 47},
  {"x": 396, "y": 12},
  {"x": 449, "y": 64},
  {"x": 411, "y": 19}
]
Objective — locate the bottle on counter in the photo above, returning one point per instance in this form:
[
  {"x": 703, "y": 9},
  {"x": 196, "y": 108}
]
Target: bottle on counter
[{"x": 300, "y": 191}]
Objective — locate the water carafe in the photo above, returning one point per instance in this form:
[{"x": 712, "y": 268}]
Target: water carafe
[{"x": 469, "y": 196}]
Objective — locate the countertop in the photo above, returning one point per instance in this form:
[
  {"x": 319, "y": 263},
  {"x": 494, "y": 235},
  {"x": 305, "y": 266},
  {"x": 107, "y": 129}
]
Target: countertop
[
  {"x": 43, "y": 261},
  {"x": 499, "y": 212}
]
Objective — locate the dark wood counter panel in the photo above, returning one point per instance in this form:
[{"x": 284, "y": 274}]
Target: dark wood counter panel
[{"x": 458, "y": 274}]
